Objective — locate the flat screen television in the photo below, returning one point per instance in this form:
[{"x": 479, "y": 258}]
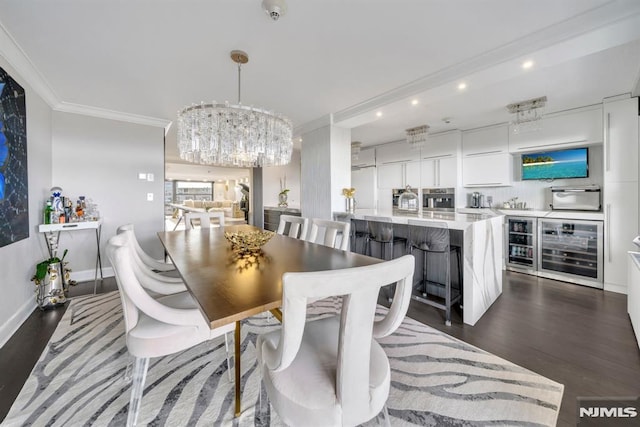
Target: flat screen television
[{"x": 560, "y": 164}]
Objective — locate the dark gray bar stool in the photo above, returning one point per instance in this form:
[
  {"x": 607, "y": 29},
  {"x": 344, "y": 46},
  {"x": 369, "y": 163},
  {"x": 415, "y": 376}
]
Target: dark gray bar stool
[
  {"x": 431, "y": 237},
  {"x": 381, "y": 231}
]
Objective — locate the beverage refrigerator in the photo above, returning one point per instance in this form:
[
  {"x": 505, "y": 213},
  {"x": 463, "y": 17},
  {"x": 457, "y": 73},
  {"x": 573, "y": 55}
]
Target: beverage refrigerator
[
  {"x": 571, "y": 250},
  {"x": 520, "y": 250}
]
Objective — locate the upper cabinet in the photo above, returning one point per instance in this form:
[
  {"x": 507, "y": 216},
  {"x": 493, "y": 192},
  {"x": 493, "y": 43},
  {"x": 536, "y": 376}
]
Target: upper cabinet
[
  {"x": 486, "y": 161},
  {"x": 395, "y": 152},
  {"x": 488, "y": 140},
  {"x": 365, "y": 158},
  {"x": 621, "y": 140},
  {"x": 568, "y": 129}
]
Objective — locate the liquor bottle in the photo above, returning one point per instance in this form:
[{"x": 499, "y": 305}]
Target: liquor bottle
[
  {"x": 79, "y": 211},
  {"x": 48, "y": 211}
]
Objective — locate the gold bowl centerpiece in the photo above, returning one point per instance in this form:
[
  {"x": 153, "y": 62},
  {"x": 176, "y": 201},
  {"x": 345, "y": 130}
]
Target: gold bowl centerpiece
[{"x": 248, "y": 241}]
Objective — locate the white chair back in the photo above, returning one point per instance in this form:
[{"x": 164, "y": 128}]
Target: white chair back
[
  {"x": 146, "y": 259},
  {"x": 336, "y": 233},
  {"x": 297, "y": 226},
  {"x": 355, "y": 401},
  {"x": 204, "y": 219}
]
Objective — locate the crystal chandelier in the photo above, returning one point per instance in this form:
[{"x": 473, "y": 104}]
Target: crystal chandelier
[
  {"x": 234, "y": 135},
  {"x": 356, "y": 146},
  {"x": 528, "y": 115},
  {"x": 417, "y": 136}
]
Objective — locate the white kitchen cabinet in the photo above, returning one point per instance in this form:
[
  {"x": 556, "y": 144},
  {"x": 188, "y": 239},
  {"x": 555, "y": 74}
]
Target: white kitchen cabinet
[
  {"x": 391, "y": 175},
  {"x": 441, "y": 172},
  {"x": 396, "y": 152},
  {"x": 633, "y": 292},
  {"x": 442, "y": 145},
  {"x": 621, "y": 140},
  {"x": 364, "y": 181},
  {"x": 447, "y": 172},
  {"x": 365, "y": 158},
  {"x": 488, "y": 140},
  {"x": 620, "y": 202},
  {"x": 487, "y": 170},
  {"x": 416, "y": 173},
  {"x": 575, "y": 128}
]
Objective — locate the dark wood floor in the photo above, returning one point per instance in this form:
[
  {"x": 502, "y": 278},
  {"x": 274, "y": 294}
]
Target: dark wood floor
[{"x": 578, "y": 336}]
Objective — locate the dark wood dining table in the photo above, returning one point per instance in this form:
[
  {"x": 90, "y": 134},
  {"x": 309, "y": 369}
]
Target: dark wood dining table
[{"x": 229, "y": 286}]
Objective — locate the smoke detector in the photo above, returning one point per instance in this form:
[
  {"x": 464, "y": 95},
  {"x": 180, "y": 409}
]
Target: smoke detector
[{"x": 274, "y": 8}]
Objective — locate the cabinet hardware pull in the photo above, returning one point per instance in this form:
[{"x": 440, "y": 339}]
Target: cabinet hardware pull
[
  {"x": 483, "y": 153},
  {"x": 608, "y": 219},
  {"x": 551, "y": 145},
  {"x": 437, "y": 157},
  {"x": 607, "y": 142}
]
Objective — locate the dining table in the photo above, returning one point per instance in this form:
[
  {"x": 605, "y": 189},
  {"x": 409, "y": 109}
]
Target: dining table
[{"x": 229, "y": 285}]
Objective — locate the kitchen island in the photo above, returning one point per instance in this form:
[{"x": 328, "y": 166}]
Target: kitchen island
[{"x": 482, "y": 254}]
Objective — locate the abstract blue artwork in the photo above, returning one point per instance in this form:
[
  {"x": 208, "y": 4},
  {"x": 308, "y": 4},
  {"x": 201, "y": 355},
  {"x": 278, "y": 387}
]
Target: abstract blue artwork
[{"x": 14, "y": 190}]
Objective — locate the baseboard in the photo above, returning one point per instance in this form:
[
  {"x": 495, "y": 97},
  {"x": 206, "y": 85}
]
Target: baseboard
[
  {"x": 619, "y": 289},
  {"x": 13, "y": 324},
  {"x": 87, "y": 275}
]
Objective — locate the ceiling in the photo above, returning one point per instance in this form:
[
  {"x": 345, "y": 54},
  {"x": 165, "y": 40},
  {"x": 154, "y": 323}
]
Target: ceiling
[{"x": 343, "y": 59}]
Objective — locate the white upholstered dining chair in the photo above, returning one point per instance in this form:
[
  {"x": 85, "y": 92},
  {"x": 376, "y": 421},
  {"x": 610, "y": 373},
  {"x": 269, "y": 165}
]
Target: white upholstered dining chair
[
  {"x": 297, "y": 226},
  {"x": 204, "y": 219},
  {"x": 334, "y": 234},
  {"x": 154, "y": 327},
  {"x": 332, "y": 371},
  {"x": 149, "y": 261},
  {"x": 156, "y": 284}
]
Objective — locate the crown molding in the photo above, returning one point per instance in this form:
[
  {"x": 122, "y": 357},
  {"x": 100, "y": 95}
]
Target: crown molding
[
  {"x": 318, "y": 123},
  {"x": 18, "y": 59},
  {"x": 597, "y": 18},
  {"x": 103, "y": 113},
  {"x": 11, "y": 51}
]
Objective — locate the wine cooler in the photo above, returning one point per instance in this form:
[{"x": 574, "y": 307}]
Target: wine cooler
[
  {"x": 571, "y": 251},
  {"x": 520, "y": 250}
]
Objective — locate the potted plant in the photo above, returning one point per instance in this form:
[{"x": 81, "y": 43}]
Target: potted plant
[
  {"x": 282, "y": 196},
  {"x": 52, "y": 281}
]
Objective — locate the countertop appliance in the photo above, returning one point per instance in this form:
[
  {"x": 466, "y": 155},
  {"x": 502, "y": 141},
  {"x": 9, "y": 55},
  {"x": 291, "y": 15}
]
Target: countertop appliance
[
  {"x": 476, "y": 200},
  {"x": 583, "y": 198},
  {"x": 405, "y": 202},
  {"x": 439, "y": 199}
]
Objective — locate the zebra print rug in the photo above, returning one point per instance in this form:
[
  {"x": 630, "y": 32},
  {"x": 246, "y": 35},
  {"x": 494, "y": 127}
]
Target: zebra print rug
[{"x": 436, "y": 380}]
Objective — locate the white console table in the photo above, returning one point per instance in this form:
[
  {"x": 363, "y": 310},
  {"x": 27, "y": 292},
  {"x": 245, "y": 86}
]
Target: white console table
[{"x": 52, "y": 235}]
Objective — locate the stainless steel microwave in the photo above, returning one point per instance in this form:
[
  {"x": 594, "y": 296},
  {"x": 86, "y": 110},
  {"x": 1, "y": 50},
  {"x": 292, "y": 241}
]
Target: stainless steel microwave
[{"x": 584, "y": 198}]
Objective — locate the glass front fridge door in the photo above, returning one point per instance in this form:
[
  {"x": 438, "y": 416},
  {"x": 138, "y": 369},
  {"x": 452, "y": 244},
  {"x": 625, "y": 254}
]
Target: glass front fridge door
[{"x": 521, "y": 241}]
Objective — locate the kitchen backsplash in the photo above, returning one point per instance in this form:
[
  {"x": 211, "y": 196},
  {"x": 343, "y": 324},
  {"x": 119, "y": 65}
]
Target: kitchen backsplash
[{"x": 536, "y": 193}]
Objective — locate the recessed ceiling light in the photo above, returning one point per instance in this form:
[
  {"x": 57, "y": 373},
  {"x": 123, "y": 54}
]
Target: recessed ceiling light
[
  {"x": 414, "y": 102},
  {"x": 300, "y": 139},
  {"x": 379, "y": 114},
  {"x": 527, "y": 64},
  {"x": 462, "y": 86}
]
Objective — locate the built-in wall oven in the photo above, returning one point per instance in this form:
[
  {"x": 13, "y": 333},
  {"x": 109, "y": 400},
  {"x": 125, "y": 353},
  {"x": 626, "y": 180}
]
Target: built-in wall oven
[{"x": 439, "y": 199}]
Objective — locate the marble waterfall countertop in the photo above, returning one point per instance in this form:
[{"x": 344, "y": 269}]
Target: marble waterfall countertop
[
  {"x": 454, "y": 220},
  {"x": 482, "y": 250}
]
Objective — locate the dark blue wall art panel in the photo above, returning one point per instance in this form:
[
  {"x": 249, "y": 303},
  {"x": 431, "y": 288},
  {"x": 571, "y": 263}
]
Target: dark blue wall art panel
[{"x": 14, "y": 194}]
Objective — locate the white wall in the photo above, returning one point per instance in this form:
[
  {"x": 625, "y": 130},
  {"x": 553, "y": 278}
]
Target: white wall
[
  {"x": 271, "y": 182},
  {"x": 101, "y": 159},
  {"x": 18, "y": 260}
]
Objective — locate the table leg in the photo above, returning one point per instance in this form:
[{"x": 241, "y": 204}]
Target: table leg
[
  {"x": 237, "y": 367},
  {"x": 277, "y": 313},
  {"x": 98, "y": 261},
  {"x": 178, "y": 223}
]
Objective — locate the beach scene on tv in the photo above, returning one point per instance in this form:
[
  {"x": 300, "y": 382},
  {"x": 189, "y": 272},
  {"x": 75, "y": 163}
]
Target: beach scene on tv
[{"x": 555, "y": 164}]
